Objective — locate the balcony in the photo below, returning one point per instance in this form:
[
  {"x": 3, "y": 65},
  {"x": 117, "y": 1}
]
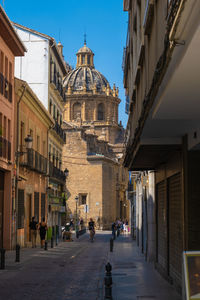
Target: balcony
[
  {"x": 35, "y": 161},
  {"x": 56, "y": 173},
  {"x": 60, "y": 131},
  {"x": 5, "y": 148},
  {"x": 57, "y": 83},
  {"x": 5, "y": 88}
]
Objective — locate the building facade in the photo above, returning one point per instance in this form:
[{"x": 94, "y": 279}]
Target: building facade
[
  {"x": 161, "y": 70},
  {"x": 94, "y": 145},
  {"x": 32, "y": 119},
  {"x": 10, "y": 47},
  {"x": 43, "y": 67}
]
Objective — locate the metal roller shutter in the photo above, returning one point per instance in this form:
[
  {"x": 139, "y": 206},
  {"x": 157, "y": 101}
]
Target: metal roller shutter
[
  {"x": 175, "y": 228},
  {"x": 161, "y": 226}
]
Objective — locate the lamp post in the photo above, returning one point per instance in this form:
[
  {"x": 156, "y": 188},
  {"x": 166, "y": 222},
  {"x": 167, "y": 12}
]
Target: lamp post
[
  {"x": 76, "y": 225},
  {"x": 29, "y": 141}
]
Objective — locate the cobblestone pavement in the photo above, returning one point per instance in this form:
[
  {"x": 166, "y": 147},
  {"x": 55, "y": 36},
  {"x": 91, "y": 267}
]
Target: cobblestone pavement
[{"x": 70, "y": 271}]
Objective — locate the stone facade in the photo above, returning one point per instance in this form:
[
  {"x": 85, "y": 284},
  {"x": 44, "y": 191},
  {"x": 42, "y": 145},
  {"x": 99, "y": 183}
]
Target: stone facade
[{"x": 94, "y": 145}]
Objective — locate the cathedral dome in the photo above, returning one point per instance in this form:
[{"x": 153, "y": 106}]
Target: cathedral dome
[{"x": 85, "y": 78}]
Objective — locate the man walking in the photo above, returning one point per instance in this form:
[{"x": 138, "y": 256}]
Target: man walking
[{"x": 33, "y": 227}]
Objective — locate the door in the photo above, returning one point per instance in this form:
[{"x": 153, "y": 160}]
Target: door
[
  {"x": 1, "y": 207},
  {"x": 28, "y": 215}
]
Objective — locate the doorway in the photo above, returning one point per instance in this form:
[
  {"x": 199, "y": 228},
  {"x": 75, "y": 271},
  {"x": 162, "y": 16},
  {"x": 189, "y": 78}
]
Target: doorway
[
  {"x": 1, "y": 207},
  {"x": 28, "y": 215}
]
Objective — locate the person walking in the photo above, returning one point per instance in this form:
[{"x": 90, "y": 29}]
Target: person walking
[
  {"x": 33, "y": 227},
  {"x": 42, "y": 228},
  {"x": 91, "y": 226},
  {"x": 113, "y": 227}
]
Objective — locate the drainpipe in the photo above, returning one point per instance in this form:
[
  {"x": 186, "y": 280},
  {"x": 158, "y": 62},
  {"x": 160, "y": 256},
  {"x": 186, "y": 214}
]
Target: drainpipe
[{"x": 17, "y": 163}]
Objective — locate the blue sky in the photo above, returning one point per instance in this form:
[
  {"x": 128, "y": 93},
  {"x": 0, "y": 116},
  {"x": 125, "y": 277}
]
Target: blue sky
[{"x": 104, "y": 22}]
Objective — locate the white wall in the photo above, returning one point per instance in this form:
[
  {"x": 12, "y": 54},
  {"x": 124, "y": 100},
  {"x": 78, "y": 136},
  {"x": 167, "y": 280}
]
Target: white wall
[{"x": 33, "y": 67}]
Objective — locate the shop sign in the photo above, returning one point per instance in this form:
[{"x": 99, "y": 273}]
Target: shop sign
[{"x": 191, "y": 270}]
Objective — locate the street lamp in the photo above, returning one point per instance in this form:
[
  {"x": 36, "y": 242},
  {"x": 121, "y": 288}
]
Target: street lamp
[{"x": 76, "y": 225}]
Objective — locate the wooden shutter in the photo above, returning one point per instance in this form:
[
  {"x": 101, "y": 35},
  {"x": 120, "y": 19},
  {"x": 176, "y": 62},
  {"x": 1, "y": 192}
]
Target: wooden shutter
[
  {"x": 43, "y": 206},
  {"x": 36, "y": 206},
  {"x": 20, "y": 209}
]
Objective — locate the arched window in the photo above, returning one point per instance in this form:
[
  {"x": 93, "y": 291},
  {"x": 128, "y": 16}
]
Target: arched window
[
  {"x": 76, "y": 111},
  {"x": 100, "y": 112}
]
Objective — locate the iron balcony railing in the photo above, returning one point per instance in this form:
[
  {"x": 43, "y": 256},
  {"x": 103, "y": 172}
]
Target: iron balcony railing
[
  {"x": 58, "y": 84},
  {"x": 34, "y": 160},
  {"x": 56, "y": 173},
  {"x": 5, "y": 148},
  {"x": 60, "y": 131}
]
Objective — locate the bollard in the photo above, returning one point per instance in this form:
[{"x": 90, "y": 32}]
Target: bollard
[
  {"x": 17, "y": 253},
  {"x": 45, "y": 245},
  {"x": 2, "y": 265},
  {"x": 52, "y": 242},
  {"x": 111, "y": 244},
  {"x": 108, "y": 282}
]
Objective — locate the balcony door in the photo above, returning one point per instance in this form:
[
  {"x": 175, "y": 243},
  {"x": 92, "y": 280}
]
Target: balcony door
[
  {"x": 1, "y": 207},
  {"x": 28, "y": 216}
]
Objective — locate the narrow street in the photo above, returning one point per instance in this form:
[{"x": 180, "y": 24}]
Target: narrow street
[
  {"x": 67, "y": 271},
  {"x": 76, "y": 270}
]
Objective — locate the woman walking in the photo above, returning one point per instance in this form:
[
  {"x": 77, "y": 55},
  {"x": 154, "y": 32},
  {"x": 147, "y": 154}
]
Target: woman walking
[
  {"x": 42, "y": 229},
  {"x": 91, "y": 226}
]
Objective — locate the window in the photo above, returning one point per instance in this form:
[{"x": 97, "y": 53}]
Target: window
[
  {"x": 54, "y": 111},
  {"x": 9, "y": 130},
  {"x": 4, "y": 127},
  {"x": 2, "y": 62},
  {"x": 88, "y": 59},
  {"x": 83, "y": 199},
  {"x": 50, "y": 107},
  {"x": 100, "y": 112},
  {"x": 6, "y": 67},
  {"x": 38, "y": 143},
  {"x": 1, "y": 118},
  {"x": 22, "y": 134},
  {"x": 83, "y": 59},
  {"x": 76, "y": 111},
  {"x": 10, "y": 72},
  {"x": 44, "y": 148}
]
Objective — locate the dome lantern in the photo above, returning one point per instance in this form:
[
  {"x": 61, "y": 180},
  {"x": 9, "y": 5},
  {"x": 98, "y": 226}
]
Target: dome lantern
[{"x": 85, "y": 57}]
